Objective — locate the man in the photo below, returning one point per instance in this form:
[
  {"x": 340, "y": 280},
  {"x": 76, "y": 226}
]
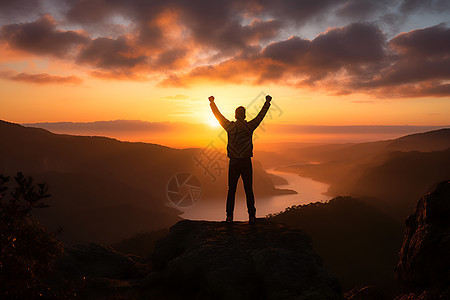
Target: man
[{"x": 240, "y": 151}]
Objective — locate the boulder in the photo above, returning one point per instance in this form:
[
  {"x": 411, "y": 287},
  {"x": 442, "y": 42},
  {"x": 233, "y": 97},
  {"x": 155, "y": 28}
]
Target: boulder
[{"x": 216, "y": 260}]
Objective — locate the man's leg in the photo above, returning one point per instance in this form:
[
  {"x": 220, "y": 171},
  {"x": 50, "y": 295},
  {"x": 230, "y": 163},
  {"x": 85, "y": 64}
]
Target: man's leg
[
  {"x": 233, "y": 177},
  {"x": 247, "y": 177}
]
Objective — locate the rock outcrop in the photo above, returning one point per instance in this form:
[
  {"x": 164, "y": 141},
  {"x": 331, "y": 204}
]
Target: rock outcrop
[
  {"x": 202, "y": 260},
  {"x": 364, "y": 293},
  {"x": 211, "y": 260},
  {"x": 424, "y": 267}
]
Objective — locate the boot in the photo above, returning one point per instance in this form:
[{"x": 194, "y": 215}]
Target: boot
[
  {"x": 251, "y": 219},
  {"x": 229, "y": 219}
]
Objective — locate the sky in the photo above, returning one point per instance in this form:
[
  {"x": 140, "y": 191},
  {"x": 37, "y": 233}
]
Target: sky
[{"x": 325, "y": 62}]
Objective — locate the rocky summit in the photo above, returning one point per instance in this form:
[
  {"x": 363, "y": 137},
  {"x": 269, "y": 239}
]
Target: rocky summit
[
  {"x": 216, "y": 260},
  {"x": 203, "y": 260}
]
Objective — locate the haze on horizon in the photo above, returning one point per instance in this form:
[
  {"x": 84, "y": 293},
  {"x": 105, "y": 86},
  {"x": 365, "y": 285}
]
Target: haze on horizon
[
  {"x": 179, "y": 134},
  {"x": 326, "y": 63}
]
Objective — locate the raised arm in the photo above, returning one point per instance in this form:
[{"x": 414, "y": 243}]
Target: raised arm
[
  {"x": 262, "y": 113},
  {"x": 222, "y": 120}
]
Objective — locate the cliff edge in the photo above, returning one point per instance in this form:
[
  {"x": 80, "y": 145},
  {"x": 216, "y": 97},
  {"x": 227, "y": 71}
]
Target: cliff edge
[{"x": 424, "y": 266}]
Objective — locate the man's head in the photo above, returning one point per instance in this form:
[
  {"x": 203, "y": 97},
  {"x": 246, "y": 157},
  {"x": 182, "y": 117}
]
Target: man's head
[{"x": 240, "y": 113}]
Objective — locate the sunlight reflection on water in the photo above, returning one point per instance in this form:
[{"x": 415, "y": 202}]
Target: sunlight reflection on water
[{"x": 308, "y": 191}]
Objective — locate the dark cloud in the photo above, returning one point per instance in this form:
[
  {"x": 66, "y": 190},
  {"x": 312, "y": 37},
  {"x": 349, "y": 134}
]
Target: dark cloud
[
  {"x": 355, "y": 49},
  {"x": 42, "y": 37},
  {"x": 212, "y": 24},
  {"x": 357, "y": 43},
  {"x": 428, "y": 41},
  {"x": 42, "y": 78},
  {"x": 290, "y": 51},
  {"x": 150, "y": 35},
  {"x": 170, "y": 59},
  {"x": 299, "y": 12},
  {"x": 108, "y": 53},
  {"x": 420, "y": 65},
  {"x": 349, "y": 48},
  {"x": 235, "y": 36},
  {"x": 90, "y": 11},
  {"x": 357, "y": 8},
  {"x": 14, "y": 9},
  {"x": 355, "y": 58},
  {"x": 217, "y": 24},
  {"x": 409, "y": 6}
]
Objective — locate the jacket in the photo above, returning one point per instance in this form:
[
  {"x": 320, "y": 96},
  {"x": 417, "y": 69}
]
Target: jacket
[{"x": 240, "y": 132}]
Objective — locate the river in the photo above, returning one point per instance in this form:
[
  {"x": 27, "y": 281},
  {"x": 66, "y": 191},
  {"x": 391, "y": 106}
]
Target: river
[{"x": 308, "y": 191}]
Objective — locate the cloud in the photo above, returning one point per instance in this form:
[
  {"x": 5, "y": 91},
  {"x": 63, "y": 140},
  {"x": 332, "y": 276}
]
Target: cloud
[
  {"x": 13, "y": 9},
  {"x": 119, "y": 75},
  {"x": 409, "y": 6},
  {"x": 357, "y": 8},
  {"x": 170, "y": 59},
  {"x": 290, "y": 51},
  {"x": 241, "y": 42},
  {"x": 41, "y": 78},
  {"x": 42, "y": 37},
  {"x": 354, "y": 58},
  {"x": 351, "y": 48},
  {"x": 428, "y": 41},
  {"x": 299, "y": 12},
  {"x": 111, "y": 53},
  {"x": 90, "y": 11},
  {"x": 227, "y": 27},
  {"x": 420, "y": 65}
]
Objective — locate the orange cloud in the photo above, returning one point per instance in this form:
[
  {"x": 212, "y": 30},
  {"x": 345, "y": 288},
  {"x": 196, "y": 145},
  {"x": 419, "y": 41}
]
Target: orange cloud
[{"x": 42, "y": 78}]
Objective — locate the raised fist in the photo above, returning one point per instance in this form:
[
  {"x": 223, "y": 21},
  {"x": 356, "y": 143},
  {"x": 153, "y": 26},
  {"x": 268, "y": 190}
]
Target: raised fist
[
  {"x": 211, "y": 98},
  {"x": 268, "y": 98}
]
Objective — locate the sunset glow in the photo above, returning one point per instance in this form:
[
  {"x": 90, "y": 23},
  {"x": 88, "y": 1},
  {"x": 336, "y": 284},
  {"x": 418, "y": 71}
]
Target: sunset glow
[
  {"x": 160, "y": 62},
  {"x": 224, "y": 149}
]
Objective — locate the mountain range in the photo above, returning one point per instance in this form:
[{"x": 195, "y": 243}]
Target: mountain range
[
  {"x": 393, "y": 174},
  {"x": 105, "y": 190}
]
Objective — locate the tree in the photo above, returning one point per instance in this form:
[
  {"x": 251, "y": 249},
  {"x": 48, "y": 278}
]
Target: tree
[{"x": 28, "y": 250}]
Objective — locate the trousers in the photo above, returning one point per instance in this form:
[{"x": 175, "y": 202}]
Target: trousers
[{"x": 240, "y": 167}]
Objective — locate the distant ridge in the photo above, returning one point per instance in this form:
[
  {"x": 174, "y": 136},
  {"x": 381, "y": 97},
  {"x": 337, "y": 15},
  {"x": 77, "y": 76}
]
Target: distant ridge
[
  {"x": 93, "y": 179},
  {"x": 106, "y": 125},
  {"x": 140, "y": 125},
  {"x": 395, "y": 173}
]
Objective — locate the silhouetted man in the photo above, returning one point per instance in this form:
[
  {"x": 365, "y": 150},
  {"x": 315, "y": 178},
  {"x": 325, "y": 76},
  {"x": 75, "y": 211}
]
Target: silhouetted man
[{"x": 240, "y": 151}]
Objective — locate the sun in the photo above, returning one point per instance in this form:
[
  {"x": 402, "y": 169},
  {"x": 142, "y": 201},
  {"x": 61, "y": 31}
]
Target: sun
[{"x": 212, "y": 121}]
